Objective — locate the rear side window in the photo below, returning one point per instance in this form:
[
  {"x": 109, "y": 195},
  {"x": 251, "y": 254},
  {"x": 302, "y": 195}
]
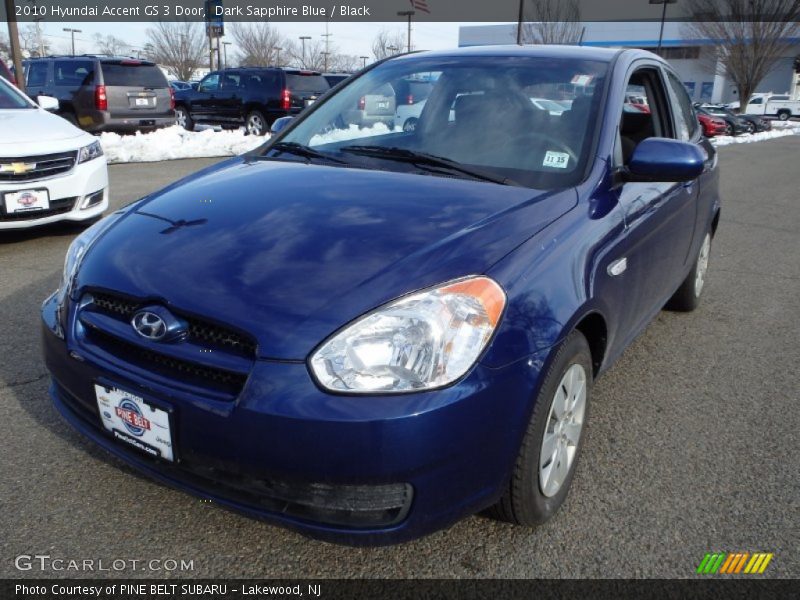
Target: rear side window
[
  {"x": 306, "y": 83},
  {"x": 134, "y": 75},
  {"x": 261, "y": 81},
  {"x": 73, "y": 73},
  {"x": 685, "y": 119},
  {"x": 37, "y": 74}
]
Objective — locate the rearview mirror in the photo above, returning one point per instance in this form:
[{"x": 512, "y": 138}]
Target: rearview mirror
[
  {"x": 47, "y": 103},
  {"x": 279, "y": 124},
  {"x": 662, "y": 159}
]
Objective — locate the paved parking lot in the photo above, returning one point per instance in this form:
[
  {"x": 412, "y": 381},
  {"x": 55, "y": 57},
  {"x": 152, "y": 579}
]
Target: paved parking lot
[{"x": 692, "y": 445}]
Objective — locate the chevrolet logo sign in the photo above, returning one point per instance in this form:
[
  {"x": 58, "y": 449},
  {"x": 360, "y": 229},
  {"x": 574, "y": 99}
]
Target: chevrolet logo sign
[{"x": 17, "y": 168}]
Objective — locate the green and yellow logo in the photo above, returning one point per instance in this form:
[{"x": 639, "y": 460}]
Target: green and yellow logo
[{"x": 734, "y": 563}]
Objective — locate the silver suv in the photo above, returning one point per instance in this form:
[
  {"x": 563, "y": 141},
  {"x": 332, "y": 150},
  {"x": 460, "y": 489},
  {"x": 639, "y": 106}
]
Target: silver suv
[{"x": 100, "y": 93}]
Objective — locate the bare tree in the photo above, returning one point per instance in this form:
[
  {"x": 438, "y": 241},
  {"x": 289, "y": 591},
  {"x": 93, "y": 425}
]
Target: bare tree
[
  {"x": 111, "y": 45},
  {"x": 179, "y": 45},
  {"x": 388, "y": 43},
  {"x": 551, "y": 22},
  {"x": 260, "y": 44},
  {"x": 32, "y": 41},
  {"x": 752, "y": 35},
  {"x": 314, "y": 58},
  {"x": 5, "y": 47},
  {"x": 344, "y": 63}
]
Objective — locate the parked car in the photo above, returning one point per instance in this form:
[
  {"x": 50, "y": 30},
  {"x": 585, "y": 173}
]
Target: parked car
[
  {"x": 49, "y": 170},
  {"x": 774, "y": 105},
  {"x": 379, "y": 106},
  {"x": 6, "y": 73},
  {"x": 755, "y": 123},
  {"x": 100, "y": 93},
  {"x": 366, "y": 335},
  {"x": 712, "y": 126},
  {"x": 178, "y": 86},
  {"x": 410, "y": 97},
  {"x": 734, "y": 124},
  {"x": 249, "y": 96},
  {"x": 335, "y": 78}
]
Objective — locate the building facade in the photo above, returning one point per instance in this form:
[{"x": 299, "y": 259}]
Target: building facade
[{"x": 692, "y": 58}]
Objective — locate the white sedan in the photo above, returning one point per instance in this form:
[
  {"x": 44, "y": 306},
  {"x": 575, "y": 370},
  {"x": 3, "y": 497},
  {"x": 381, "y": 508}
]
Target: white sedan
[{"x": 49, "y": 169}]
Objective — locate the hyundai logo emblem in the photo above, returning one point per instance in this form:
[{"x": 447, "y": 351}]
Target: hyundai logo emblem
[{"x": 149, "y": 325}]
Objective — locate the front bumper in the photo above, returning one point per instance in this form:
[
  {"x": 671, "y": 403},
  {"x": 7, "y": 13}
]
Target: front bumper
[
  {"x": 451, "y": 449},
  {"x": 68, "y": 193}
]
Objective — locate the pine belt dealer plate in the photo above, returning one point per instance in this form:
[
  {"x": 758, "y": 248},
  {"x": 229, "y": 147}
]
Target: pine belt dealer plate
[
  {"x": 132, "y": 420},
  {"x": 27, "y": 201}
]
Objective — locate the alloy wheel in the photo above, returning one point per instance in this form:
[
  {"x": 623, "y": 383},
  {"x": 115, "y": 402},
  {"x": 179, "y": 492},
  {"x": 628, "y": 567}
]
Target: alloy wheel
[
  {"x": 563, "y": 431},
  {"x": 255, "y": 125},
  {"x": 702, "y": 266}
]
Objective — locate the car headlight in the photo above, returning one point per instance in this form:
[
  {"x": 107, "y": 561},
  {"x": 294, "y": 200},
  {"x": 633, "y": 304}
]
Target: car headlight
[
  {"x": 77, "y": 250},
  {"x": 418, "y": 342},
  {"x": 90, "y": 152}
]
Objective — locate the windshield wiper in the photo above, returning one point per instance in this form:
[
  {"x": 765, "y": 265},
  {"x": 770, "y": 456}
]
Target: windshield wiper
[
  {"x": 304, "y": 151},
  {"x": 425, "y": 159}
]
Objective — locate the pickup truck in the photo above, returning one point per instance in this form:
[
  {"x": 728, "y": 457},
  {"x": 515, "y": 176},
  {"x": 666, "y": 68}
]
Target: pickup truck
[{"x": 776, "y": 105}]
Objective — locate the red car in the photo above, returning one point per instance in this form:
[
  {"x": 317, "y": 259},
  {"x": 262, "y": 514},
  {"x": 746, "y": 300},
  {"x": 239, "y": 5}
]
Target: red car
[
  {"x": 711, "y": 125},
  {"x": 5, "y": 72}
]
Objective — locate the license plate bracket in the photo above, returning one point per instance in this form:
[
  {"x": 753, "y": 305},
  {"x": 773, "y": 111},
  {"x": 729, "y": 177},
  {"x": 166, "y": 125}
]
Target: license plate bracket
[
  {"x": 135, "y": 421},
  {"x": 27, "y": 201}
]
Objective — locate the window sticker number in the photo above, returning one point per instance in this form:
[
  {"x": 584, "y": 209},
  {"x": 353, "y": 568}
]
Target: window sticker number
[{"x": 557, "y": 160}]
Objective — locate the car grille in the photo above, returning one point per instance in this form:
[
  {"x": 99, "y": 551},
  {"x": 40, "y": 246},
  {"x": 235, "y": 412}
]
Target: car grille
[
  {"x": 57, "y": 207},
  {"x": 200, "y": 331},
  {"x": 166, "y": 360},
  {"x": 45, "y": 165}
]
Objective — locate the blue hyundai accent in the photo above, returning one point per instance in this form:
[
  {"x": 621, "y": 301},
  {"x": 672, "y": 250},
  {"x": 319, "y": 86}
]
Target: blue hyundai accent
[{"x": 368, "y": 333}]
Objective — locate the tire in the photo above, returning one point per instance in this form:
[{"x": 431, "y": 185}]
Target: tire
[
  {"x": 410, "y": 125},
  {"x": 729, "y": 128},
  {"x": 687, "y": 297},
  {"x": 538, "y": 487},
  {"x": 751, "y": 127},
  {"x": 784, "y": 115},
  {"x": 255, "y": 124},
  {"x": 183, "y": 118}
]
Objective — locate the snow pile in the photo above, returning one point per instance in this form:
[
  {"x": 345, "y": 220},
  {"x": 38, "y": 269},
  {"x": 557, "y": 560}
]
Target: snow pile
[
  {"x": 353, "y": 132},
  {"x": 779, "y": 129},
  {"x": 175, "y": 142}
]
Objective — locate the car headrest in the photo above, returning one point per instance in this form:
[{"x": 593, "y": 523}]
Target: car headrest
[{"x": 633, "y": 123}]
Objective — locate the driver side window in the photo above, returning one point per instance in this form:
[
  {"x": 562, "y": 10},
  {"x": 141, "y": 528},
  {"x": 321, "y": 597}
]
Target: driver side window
[
  {"x": 644, "y": 112},
  {"x": 210, "y": 83}
]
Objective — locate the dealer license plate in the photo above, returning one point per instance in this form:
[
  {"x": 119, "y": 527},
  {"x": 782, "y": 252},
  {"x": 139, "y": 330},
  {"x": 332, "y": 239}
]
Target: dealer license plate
[
  {"x": 27, "y": 200},
  {"x": 132, "y": 420},
  {"x": 142, "y": 102}
]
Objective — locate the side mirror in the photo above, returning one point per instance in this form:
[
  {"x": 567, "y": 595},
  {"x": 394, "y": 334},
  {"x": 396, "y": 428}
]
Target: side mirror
[
  {"x": 662, "y": 159},
  {"x": 47, "y": 103},
  {"x": 280, "y": 124}
]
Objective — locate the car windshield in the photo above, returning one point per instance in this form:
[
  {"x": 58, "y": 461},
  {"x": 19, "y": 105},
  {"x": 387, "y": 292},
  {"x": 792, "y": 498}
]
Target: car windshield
[
  {"x": 10, "y": 98},
  {"x": 479, "y": 115}
]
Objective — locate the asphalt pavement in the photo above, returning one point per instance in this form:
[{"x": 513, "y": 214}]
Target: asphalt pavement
[{"x": 692, "y": 445}]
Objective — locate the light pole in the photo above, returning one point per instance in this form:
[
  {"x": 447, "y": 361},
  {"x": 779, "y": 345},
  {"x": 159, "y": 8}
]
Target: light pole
[
  {"x": 303, "y": 39},
  {"x": 325, "y": 54},
  {"x": 409, "y": 14},
  {"x": 392, "y": 49},
  {"x": 225, "y": 52},
  {"x": 520, "y": 17},
  {"x": 277, "y": 56},
  {"x": 72, "y": 32},
  {"x": 663, "y": 18},
  {"x": 364, "y": 58}
]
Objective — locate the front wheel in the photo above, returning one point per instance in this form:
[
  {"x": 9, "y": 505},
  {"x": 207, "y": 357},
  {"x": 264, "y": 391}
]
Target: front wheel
[
  {"x": 183, "y": 119},
  {"x": 552, "y": 443},
  {"x": 784, "y": 115},
  {"x": 256, "y": 124},
  {"x": 687, "y": 298}
]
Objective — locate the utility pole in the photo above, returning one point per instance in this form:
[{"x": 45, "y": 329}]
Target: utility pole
[
  {"x": 327, "y": 35},
  {"x": 409, "y": 14},
  {"x": 364, "y": 58},
  {"x": 13, "y": 38},
  {"x": 303, "y": 39},
  {"x": 72, "y": 32},
  {"x": 325, "y": 54}
]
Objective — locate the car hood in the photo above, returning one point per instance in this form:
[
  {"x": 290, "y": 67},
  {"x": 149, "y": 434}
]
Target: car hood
[
  {"x": 35, "y": 129},
  {"x": 291, "y": 252}
]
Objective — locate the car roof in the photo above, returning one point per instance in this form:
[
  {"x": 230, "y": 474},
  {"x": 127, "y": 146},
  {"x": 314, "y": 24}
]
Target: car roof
[
  {"x": 99, "y": 57},
  {"x": 537, "y": 50}
]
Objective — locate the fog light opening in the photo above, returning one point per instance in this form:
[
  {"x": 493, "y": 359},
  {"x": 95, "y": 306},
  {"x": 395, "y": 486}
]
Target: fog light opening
[{"x": 92, "y": 200}]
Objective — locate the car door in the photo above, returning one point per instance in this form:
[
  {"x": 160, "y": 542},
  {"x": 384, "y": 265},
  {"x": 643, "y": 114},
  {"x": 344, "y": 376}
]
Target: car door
[
  {"x": 205, "y": 99},
  {"x": 228, "y": 99},
  {"x": 659, "y": 217}
]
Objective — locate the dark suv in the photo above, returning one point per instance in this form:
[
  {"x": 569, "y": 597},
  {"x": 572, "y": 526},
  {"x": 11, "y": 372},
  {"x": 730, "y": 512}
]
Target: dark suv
[
  {"x": 99, "y": 93},
  {"x": 250, "y": 96}
]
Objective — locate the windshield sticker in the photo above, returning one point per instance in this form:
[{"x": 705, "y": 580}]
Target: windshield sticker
[
  {"x": 557, "y": 160},
  {"x": 582, "y": 80}
]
